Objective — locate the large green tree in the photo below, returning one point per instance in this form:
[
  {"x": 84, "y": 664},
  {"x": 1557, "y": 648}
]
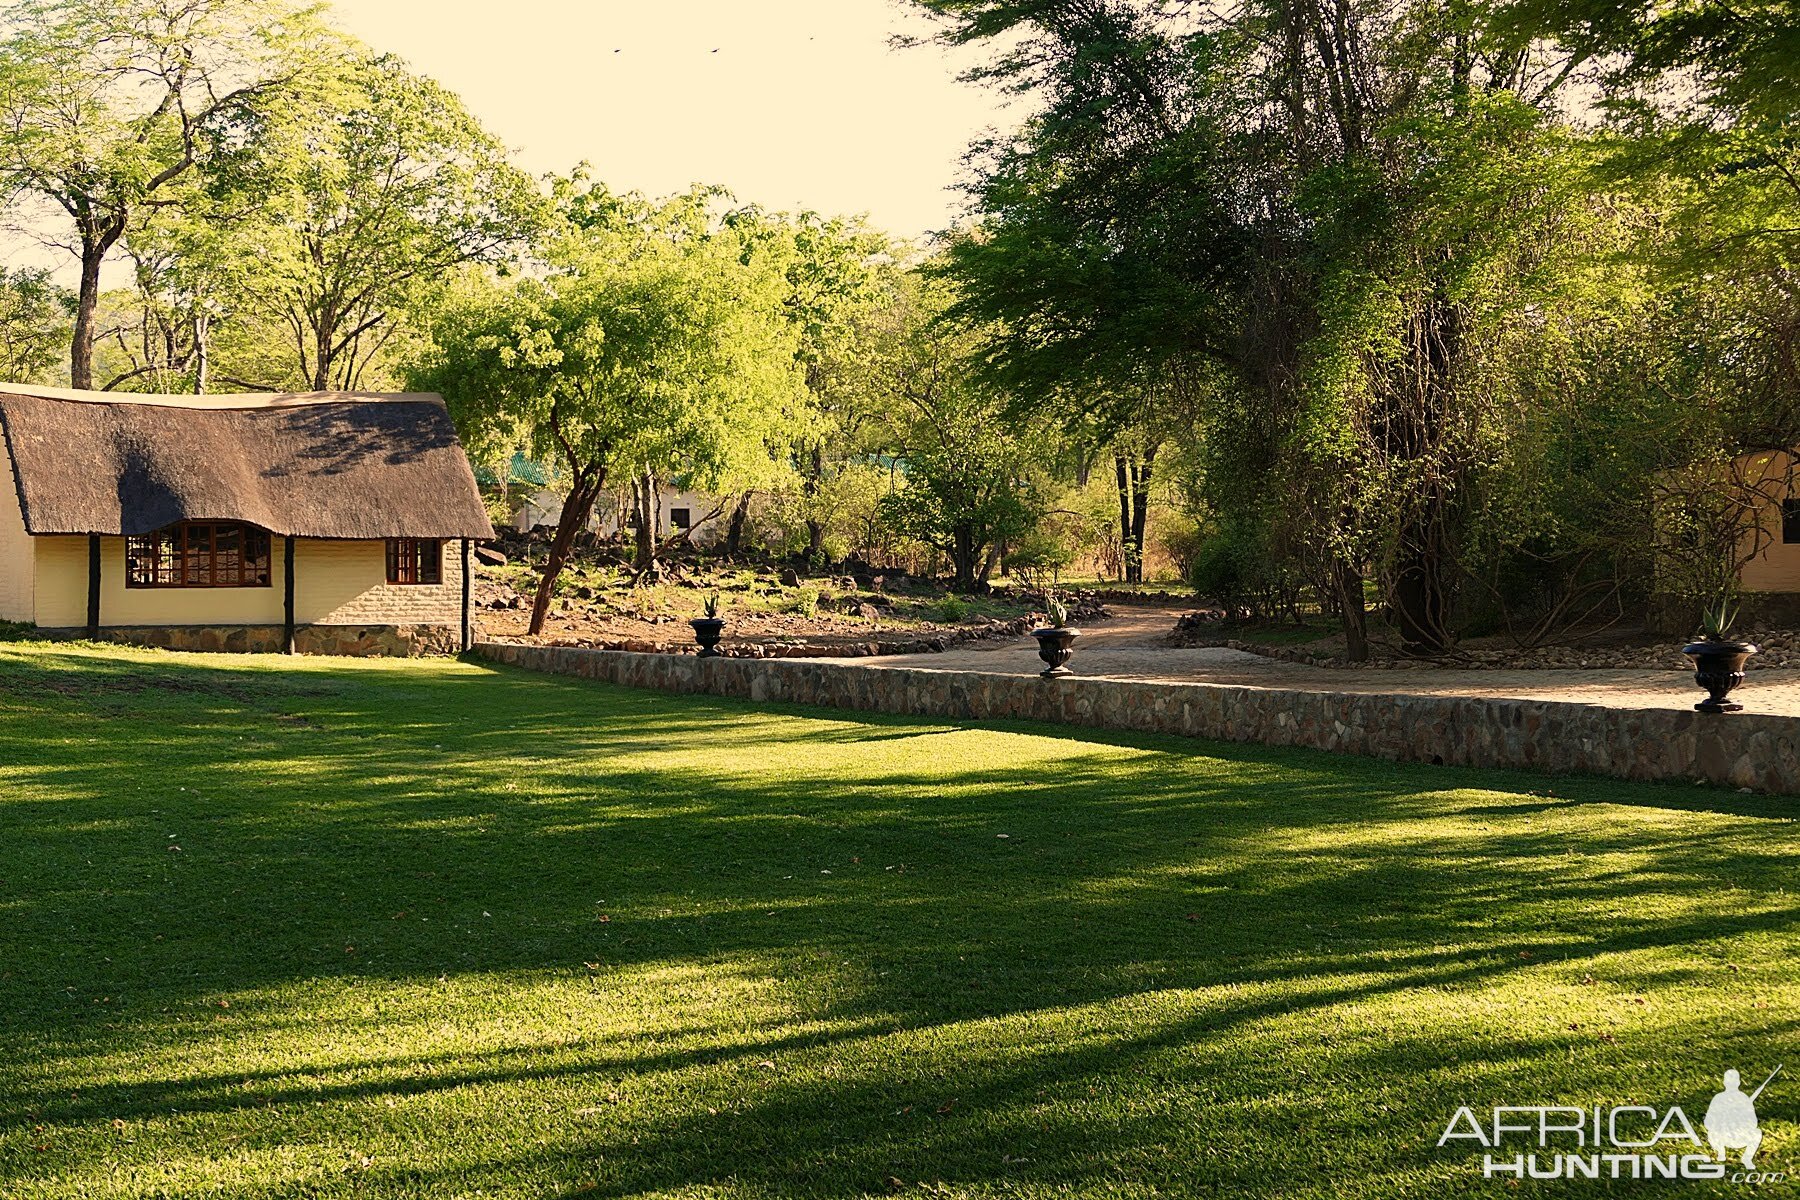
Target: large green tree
[
  {"x": 965, "y": 452},
  {"x": 1329, "y": 207},
  {"x": 650, "y": 343},
  {"x": 370, "y": 189},
  {"x": 832, "y": 268},
  {"x": 108, "y": 107}
]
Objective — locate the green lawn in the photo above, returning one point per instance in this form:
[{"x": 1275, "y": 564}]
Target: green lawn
[{"x": 332, "y": 928}]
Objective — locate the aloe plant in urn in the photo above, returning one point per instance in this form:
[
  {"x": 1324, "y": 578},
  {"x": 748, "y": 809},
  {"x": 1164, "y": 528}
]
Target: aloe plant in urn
[
  {"x": 707, "y": 629},
  {"x": 1718, "y": 660},
  {"x": 1056, "y": 641}
]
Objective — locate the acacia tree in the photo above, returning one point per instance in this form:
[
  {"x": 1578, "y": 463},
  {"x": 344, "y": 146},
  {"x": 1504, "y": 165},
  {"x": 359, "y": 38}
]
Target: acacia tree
[
  {"x": 371, "y": 188},
  {"x": 649, "y": 345},
  {"x": 187, "y": 272},
  {"x": 108, "y": 106}
]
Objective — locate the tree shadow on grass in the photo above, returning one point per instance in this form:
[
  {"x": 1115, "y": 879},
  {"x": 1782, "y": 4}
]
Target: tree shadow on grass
[{"x": 326, "y": 808}]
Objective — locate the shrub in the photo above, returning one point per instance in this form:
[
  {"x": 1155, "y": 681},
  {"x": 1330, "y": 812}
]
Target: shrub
[
  {"x": 1183, "y": 545},
  {"x": 1038, "y": 558},
  {"x": 951, "y": 609},
  {"x": 1236, "y": 568}
]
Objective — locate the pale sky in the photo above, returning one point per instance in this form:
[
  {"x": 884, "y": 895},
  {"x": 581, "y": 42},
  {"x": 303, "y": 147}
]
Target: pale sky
[{"x": 790, "y": 103}]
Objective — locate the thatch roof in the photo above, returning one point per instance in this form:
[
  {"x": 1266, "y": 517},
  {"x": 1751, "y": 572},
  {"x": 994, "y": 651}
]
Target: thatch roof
[{"x": 317, "y": 465}]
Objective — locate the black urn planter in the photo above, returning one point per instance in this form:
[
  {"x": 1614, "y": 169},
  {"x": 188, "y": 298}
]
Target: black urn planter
[
  {"x": 706, "y": 632},
  {"x": 1718, "y": 668},
  {"x": 1055, "y": 646}
]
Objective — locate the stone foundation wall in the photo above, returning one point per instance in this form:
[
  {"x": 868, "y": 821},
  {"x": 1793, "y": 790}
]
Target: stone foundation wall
[
  {"x": 357, "y": 641},
  {"x": 1739, "y": 750}
]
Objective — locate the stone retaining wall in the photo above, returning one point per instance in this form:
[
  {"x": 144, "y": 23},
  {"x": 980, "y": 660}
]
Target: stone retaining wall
[
  {"x": 358, "y": 641},
  {"x": 1740, "y": 750}
]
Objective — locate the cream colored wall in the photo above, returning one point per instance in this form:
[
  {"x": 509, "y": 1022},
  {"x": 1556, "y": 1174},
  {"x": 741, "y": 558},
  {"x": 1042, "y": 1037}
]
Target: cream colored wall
[
  {"x": 545, "y": 507},
  {"x": 335, "y": 583},
  {"x": 62, "y": 592},
  {"x": 345, "y": 583},
  {"x": 18, "y": 557},
  {"x": 1777, "y": 567}
]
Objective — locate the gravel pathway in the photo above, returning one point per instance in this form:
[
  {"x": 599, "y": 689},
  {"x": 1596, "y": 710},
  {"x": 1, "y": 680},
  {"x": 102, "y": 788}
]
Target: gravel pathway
[{"x": 1129, "y": 647}]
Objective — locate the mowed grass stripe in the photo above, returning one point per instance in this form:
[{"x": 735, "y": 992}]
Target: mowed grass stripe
[{"x": 333, "y": 928}]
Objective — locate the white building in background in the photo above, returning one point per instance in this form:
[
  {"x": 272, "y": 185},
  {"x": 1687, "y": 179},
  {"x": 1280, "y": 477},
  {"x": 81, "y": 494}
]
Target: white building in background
[{"x": 676, "y": 510}]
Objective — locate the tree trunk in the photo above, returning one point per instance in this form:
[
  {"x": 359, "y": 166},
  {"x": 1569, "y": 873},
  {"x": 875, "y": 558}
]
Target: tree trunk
[
  {"x": 643, "y": 519},
  {"x": 1421, "y": 587},
  {"x": 1421, "y": 599},
  {"x": 987, "y": 568},
  {"x": 202, "y": 353},
  {"x": 1353, "y": 612},
  {"x": 1134, "y": 512},
  {"x": 576, "y": 509},
  {"x": 962, "y": 560},
  {"x": 322, "y": 337},
  {"x": 87, "y": 304},
  {"x": 734, "y": 536},
  {"x": 1140, "y": 515},
  {"x": 815, "y": 528},
  {"x": 1122, "y": 474}
]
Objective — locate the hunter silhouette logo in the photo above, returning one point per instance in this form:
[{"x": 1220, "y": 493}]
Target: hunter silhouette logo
[
  {"x": 1624, "y": 1141},
  {"x": 1731, "y": 1119}
]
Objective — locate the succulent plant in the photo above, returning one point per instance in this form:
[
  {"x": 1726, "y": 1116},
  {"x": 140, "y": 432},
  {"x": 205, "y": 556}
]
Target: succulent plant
[
  {"x": 1716, "y": 621},
  {"x": 715, "y": 604},
  {"x": 1057, "y": 611}
]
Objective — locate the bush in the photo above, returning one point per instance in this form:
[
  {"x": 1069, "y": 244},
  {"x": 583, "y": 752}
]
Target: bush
[
  {"x": 951, "y": 609},
  {"x": 1236, "y": 567},
  {"x": 1038, "y": 559},
  {"x": 1218, "y": 568},
  {"x": 1183, "y": 544}
]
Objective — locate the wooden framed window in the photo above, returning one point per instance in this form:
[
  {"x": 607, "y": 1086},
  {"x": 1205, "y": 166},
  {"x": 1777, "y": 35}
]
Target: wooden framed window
[
  {"x": 199, "y": 554},
  {"x": 1790, "y": 522},
  {"x": 415, "y": 560},
  {"x": 681, "y": 518}
]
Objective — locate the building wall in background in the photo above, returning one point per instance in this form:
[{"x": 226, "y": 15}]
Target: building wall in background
[
  {"x": 18, "y": 557},
  {"x": 545, "y": 508},
  {"x": 336, "y": 583}
]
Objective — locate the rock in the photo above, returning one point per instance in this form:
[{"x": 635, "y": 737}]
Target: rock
[
  {"x": 487, "y": 556},
  {"x": 868, "y": 612},
  {"x": 789, "y": 577}
]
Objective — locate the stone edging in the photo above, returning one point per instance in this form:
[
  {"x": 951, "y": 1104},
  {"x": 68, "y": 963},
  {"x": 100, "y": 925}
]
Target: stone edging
[
  {"x": 874, "y": 647},
  {"x": 1742, "y": 750},
  {"x": 359, "y": 641}
]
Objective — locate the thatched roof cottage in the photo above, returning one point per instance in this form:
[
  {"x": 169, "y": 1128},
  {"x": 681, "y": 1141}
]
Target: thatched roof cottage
[{"x": 330, "y": 522}]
